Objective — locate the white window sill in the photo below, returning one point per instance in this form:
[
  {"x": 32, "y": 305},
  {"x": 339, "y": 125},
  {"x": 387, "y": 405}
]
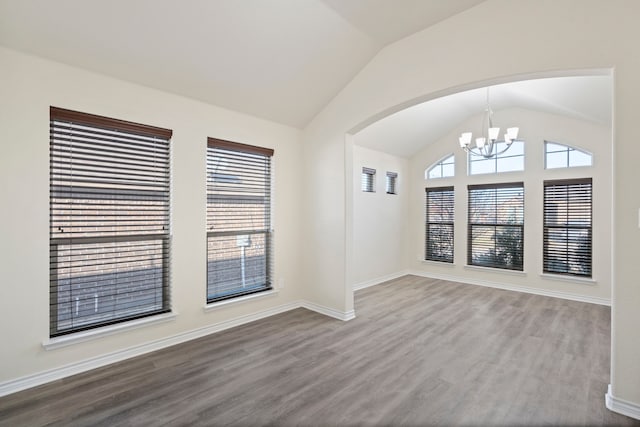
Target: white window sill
[
  {"x": 495, "y": 270},
  {"x": 233, "y": 301},
  {"x": 92, "y": 334},
  {"x": 571, "y": 279},
  {"x": 437, "y": 263}
]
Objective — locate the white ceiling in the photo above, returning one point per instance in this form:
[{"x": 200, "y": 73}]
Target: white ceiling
[
  {"x": 282, "y": 60},
  {"x": 408, "y": 131}
]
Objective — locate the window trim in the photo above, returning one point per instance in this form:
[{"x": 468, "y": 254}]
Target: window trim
[
  {"x": 495, "y": 225},
  {"x": 505, "y": 155},
  {"x": 368, "y": 180},
  {"x": 92, "y": 161},
  {"x": 391, "y": 183},
  {"x": 568, "y": 150},
  {"x": 440, "y": 163},
  {"x": 545, "y": 227},
  {"x": 231, "y": 146},
  {"x": 445, "y": 189}
]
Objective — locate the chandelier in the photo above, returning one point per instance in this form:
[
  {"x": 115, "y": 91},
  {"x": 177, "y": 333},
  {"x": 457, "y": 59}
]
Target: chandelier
[{"x": 486, "y": 145}]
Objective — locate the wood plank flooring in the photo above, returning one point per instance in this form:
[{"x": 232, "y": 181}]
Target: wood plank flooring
[{"x": 420, "y": 352}]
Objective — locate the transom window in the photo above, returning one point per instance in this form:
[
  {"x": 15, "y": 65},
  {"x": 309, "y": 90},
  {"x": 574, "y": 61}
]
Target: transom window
[
  {"x": 564, "y": 156},
  {"x": 511, "y": 160},
  {"x": 496, "y": 226},
  {"x": 239, "y": 233},
  {"x": 109, "y": 228},
  {"x": 445, "y": 168}
]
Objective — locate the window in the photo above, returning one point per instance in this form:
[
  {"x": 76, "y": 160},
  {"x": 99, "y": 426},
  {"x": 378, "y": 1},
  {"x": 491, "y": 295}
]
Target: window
[
  {"x": 509, "y": 161},
  {"x": 439, "y": 224},
  {"x": 496, "y": 224},
  {"x": 443, "y": 169},
  {"x": 109, "y": 221},
  {"x": 368, "y": 180},
  {"x": 391, "y": 182},
  {"x": 563, "y": 156},
  {"x": 239, "y": 234},
  {"x": 567, "y": 227}
]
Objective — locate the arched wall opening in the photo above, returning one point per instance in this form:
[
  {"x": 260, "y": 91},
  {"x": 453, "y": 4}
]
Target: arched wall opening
[{"x": 385, "y": 232}]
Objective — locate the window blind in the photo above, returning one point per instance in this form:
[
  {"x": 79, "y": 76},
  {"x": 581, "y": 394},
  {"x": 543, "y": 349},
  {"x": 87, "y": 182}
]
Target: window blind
[
  {"x": 239, "y": 233},
  {"x": 496, "y": 225},
  {"x": 109, "y": 221},
  {"x": 439, "y": 224},
  {"x": 368, "y": 180},
  {"x": 567, "y": 227},
  {"x": 391, "y": 182}
]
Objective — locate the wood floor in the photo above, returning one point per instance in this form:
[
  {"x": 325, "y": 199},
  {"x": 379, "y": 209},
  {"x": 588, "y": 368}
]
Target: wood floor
[{"x": 420, "y": 352}]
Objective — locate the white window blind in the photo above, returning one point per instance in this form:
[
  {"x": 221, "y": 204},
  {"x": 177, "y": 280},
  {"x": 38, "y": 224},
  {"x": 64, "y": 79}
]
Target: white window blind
[
  {"x": 109, "y": 221},
  {"x": 239, "y": 233}
]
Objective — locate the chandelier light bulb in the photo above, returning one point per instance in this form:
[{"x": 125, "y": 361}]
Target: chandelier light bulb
[
  {"x": 480, "y": 142},
  {"x": 493, "y": 133}
]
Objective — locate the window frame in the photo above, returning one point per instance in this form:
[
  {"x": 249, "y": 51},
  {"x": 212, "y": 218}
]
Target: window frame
[
  {"x": 568, "y": 149},
  {"x": 441, "y": 164},
  {"x": 496, "y": 159},
  {"x": 496, "y": 225},
  {"x": 446, "y": 194},
  {"x": 391, "y": 183},
  {"x": 97, "y": 164},
  {"x": 572, "y": 213},
  {"x": 368, "y": 180},
  {"x": 253, "y": 157}
]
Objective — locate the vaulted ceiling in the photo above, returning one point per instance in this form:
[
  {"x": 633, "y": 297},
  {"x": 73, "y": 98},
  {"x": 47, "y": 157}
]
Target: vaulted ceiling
[{"x": 281, "y": 60}]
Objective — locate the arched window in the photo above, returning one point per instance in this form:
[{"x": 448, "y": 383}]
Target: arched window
[
  {"x": 564, "y": 156},
  {"x": 445, "y": 168}
]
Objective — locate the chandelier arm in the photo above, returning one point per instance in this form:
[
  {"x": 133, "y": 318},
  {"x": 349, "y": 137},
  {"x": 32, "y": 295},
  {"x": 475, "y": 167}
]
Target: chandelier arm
[{"x": 490, "y": 155}]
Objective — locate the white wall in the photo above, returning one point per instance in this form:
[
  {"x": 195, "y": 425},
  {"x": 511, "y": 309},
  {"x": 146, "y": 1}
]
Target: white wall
[
  {"x": 536, "y": 38},
  {"x": 28, "y": 86},
  {"x": 535, "y": 128},
  {"x": 379, "y": 219}
]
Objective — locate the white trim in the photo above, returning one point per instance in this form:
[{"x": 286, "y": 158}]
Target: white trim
[
  {"x": 567, "y": 278},
  {"x": 92, "y": 334},
  {"x": 379, "y": 280},
  {"x": 40, "y": 378},
  {"x": 621, "y": 406},
  {"x": 340, "y": 315},
  {"x": 528, "y": 290},
  {"x": 232, "y": 301},
  {"x": 495, "y": 270}
]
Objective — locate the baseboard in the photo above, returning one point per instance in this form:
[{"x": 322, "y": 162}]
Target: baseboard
[
  {"x": 621, "y": 406},
  {"x": 528, "y": 290},
  {"x": 23, "y": 383},
  {"x": 378, "y": 280},
  {"x": 336, "y": 314}
]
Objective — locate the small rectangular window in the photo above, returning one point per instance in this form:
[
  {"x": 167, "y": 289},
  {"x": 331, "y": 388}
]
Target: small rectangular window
[
  {"x": 496, "y": 226},
  {"x": 439, "y": 224},
  {"x": 109, "y": 226},
  {"x": 567, "y": 227},
  {"x": 391, "y": 182},
  {"x": 368, "y": 180},
  {"x": 239, "y": 233}
]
